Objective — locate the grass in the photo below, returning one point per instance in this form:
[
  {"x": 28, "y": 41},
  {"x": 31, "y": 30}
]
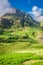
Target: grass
[
  {"x": 17, "y": 46},
  {"x": 18, "y": 58},
  {"x": 21, "y": 35},
  {"x": 26, "y": 41},
  {"x": 9, "y": 55}
]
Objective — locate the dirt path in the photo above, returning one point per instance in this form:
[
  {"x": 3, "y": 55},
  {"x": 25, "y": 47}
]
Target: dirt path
[
  {"x": 31, "y": 61},
  {"x": 41, "y": 37}
]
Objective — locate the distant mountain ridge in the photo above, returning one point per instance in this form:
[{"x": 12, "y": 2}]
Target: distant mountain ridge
[{"x": 17, "y": 18}]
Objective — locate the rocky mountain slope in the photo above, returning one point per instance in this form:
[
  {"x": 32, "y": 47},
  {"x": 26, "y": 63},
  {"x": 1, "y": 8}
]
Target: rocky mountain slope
[
  {"x": 17, "y": 18},
  {"x": 19, "y": 26}
]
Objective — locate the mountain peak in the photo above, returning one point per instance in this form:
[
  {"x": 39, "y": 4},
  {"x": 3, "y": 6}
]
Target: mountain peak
[{"x": 18, "y": 18}]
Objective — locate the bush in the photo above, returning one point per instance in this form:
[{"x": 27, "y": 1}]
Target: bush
[
  {"x": 12, "y": 39},
  {"x": 25, "y": 36},
  {"x": 33, "y": 34}
]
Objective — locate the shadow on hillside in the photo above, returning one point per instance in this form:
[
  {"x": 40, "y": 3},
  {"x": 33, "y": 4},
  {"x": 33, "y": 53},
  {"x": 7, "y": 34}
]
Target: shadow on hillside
[{"x": 6, "y": 23}]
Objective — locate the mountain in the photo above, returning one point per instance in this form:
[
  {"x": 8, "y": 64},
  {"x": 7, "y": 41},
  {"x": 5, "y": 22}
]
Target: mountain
[
  {"x": 17, "y": 18},
  {"x": 17, "y": 25}
]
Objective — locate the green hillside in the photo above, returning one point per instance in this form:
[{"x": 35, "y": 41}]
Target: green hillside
[
  {"x": 20, "y": 28},
  {"x": 21, "y": 40}
]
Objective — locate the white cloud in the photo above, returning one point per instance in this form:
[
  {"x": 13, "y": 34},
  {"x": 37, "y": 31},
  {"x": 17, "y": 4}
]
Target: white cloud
[
  {"x": 40, "y": 18},
  {"x": 37, "y": 13},
  {"x": 4, "y": 6}
]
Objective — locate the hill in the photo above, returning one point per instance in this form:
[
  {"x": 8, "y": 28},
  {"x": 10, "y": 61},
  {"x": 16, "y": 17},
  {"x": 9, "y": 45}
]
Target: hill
[
  {"x": 18, "y": 19},
  {"x": 21, "y": 39},
  {"x": 19, "y": 26}
]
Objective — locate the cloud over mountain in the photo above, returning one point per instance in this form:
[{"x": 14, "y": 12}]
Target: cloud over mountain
[
  {"x": 4, "y": 6},
  {"x": 37, "y": 13}
]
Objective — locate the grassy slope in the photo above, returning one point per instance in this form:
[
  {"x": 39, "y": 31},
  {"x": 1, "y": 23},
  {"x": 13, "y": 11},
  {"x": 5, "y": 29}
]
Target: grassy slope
[
  {"x": 19, "y": 59},
  {"x": 10, "y": 53}
]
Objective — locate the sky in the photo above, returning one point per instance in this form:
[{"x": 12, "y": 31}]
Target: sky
[
  {"x": 33, "y": 7},
  {"x": 26, "y": 5}
]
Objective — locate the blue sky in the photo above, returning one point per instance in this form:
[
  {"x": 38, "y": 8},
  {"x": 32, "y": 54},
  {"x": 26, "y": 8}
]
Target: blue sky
[
  {"x": 26, "y": 5},
  {"x": 33, "y": 7}
]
